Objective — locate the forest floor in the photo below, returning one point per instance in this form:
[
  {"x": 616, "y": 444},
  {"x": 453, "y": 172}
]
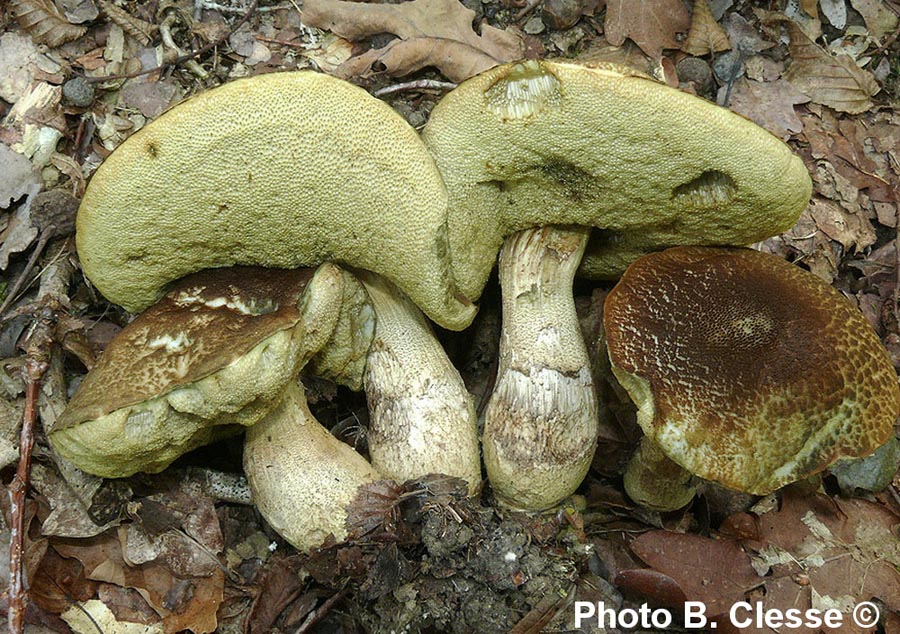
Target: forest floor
[{"x": 164, "y": 553}]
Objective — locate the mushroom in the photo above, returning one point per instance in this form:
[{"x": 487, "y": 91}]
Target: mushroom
[
  {"x": 222, "y": 350},
  {"x": 279, "y": 170},
  {"x": 422, "y": 421},
  {"x": 541, "y": 143},
  {"x": 212, "y": 356},
  {"x": 302, "y": 478},
  {"x": 745, "y": 369}
]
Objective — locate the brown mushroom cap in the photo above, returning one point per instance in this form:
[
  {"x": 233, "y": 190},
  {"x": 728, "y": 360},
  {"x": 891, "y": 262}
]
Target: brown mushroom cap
[
  {"x": 217, "y": 350},
  {"x": 745, "y": 369}
]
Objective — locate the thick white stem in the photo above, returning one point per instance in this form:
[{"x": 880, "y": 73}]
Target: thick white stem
[
  {"x": 421, "y": 418},
  {"x": 541, "y": 423},
  {"x": 302, "y": 478}
]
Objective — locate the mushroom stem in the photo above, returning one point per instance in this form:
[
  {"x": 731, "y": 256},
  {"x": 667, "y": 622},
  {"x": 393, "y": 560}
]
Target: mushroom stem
[
  {"x": 422, "y": 419},
  {"x": 303, "y": 479},
  {"x": 541, "y": 423},
  {"x": 654, "y": 481}
]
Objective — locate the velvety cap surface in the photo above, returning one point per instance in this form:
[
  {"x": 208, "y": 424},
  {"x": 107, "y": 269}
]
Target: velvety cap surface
[{"x": 748, "y": 370}]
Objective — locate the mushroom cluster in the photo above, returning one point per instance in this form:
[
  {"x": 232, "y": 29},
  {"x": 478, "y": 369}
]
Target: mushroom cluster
[{"x": 242, "y": 186}]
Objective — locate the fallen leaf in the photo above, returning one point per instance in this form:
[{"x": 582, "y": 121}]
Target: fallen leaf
[
  {"x": 715, "y": 572},
  {"x": 835, "y": 11},
  {"x": 44, "y": 22},
  {"x": 852, "y": 230},
  {"x": 743, "y": 36},
  {"x": 651, "y": 24},
  {"x": 431, "y": 33},
  {"x": 103, "y": 560},
  {"x": 92, "y": 616},
  {"x": 17, "y": 56},
  {"x": 19, "y": 176},
  {"x": 58, "y": 582},
  {"x": 880, "y": 20},
  {"x": 769, "y": 104},
  {"x": 837, "y": 82},
  {"x": 806, "y": 16},
  {"x": 657, "y": 587},
  {"x": 706, "y": 35},
  {"x": 69, "y": 517},
  {"x": 20, "y": 233},
  {"x": 151, "y": 98},
  {"x": 844, "y": 143},
  {"x": 827, "y": 552}
]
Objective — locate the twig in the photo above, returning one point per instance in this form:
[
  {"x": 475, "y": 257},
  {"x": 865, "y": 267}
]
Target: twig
[
  {"x": 530, "y": 6},
  {"x": 46, "y": 234},
  {"x": 224, "y": 8},
  {"x": 165, "y": 35},
  {"x": 419, "y": 84},
  {"x": 34, "y": 368},
  {"x": 183, "y": 58},
  {"x": 321, "y": 612}
]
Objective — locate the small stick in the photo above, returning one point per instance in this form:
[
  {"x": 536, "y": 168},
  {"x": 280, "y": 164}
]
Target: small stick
[
  {"x": 183, "y": 58},
  {"x": 33, "y": 371},
  {"x": 46, "y": 234},
  {"x": 321, "y": 612}
]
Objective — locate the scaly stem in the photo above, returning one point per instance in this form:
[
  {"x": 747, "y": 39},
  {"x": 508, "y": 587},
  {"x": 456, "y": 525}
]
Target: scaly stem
[
  {"x": 541, "y": 423},
  {"x": 422, "y": 419}
]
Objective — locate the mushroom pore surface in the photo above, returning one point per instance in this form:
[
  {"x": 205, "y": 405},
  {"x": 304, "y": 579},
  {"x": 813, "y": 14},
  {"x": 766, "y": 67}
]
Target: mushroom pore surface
[
  {"x": 539, "y": 143},
  {"x": 279, "y": 170},
  {"x": 747, "y": 370}
]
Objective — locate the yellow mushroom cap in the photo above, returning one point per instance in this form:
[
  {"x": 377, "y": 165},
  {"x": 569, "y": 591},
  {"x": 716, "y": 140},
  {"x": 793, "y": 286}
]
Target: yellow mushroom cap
[
  {"x": 747, "y": 370},
  {"x": 279, "y": 170},
  {"x": 538, "y": 143},
  {"x": 217, "y": 350}
]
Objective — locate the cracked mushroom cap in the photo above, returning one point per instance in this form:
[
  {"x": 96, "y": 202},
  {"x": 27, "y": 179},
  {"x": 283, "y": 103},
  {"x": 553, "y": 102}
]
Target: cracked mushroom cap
[
  {"x": 747, "y": 370},
  {"x": 280, "y": 170},
  {"x": 537, "y": 143},
  {"x": 216, "y": 352}
]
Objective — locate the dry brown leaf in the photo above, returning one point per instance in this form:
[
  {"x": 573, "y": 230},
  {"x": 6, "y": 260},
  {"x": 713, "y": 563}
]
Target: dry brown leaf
[
  {"x": 140, "y": 30},
  {"x": 651, "y": 24},
  {"x": 837, "y": 82},
  {"x": 842, "y": 144},
  {"x": 769, "y": 104},
  {"x": 716, "y": 572},
  {"x": 845, "y": 551},
  {"x": 851, "y": 230},
  {"x": 44, "y": 22},
  {"x": 432, "y": 33},
  {"x": 194, "y": 607},
  {"x": 880, "y": 20},
  {"x": 706, "y": 35}
]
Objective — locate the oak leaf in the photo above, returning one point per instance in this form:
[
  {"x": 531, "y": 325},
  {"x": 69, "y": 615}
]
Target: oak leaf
[
  {"x": 769, "y": 104},
  {"x": 430, "y": 33},
  {"x": 706, "y": 35},
  {"x": 825, "y": 552},
  {"x": 837, "y": 82},
  {"x": 651, "y": 24},
  {"x": 716, "y": 572},
  {"x": 44, "y": 22}
]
